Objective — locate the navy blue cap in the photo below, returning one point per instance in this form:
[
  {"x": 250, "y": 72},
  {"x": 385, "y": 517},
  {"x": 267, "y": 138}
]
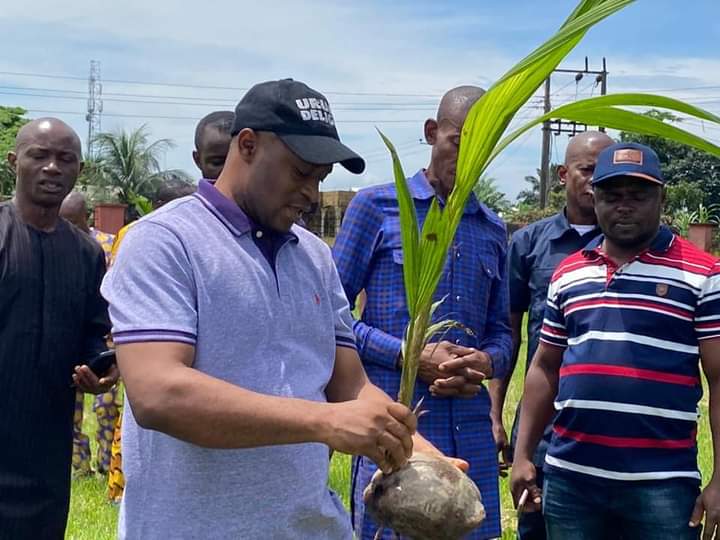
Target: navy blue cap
[
  {"x": 300, "y": 117},
  {"x": 628, "y": 159}
]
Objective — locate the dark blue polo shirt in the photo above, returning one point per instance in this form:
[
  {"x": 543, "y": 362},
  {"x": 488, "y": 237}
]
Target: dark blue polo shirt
[{"x": 535, "y": 251}]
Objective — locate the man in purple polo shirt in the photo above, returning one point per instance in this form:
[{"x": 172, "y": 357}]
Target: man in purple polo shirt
[
  {"x": 626, "y": 320},
  {"x": 235, "y": 341}
]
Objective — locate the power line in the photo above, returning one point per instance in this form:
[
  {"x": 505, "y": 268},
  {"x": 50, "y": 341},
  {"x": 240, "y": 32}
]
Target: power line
[
  {"x": 203, "y": 86},
  {"x": 195, "y": 118}
]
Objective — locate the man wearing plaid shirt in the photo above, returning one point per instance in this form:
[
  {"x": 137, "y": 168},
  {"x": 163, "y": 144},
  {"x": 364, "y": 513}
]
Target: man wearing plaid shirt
[{"x": 368, "y": 255}]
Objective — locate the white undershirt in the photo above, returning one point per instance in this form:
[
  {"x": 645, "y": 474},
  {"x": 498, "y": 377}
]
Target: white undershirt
[{"x": 583, "y": 229}]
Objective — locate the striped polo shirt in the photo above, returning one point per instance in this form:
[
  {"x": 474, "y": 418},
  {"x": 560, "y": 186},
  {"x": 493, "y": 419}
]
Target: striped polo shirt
[{"x": 629, "y": 380}]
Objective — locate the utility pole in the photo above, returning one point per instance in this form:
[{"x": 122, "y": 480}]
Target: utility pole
[
  {"x": 94, "y": 105},
  {"x": 545, "y": 163},
  {"x": 558, "y": 126}
]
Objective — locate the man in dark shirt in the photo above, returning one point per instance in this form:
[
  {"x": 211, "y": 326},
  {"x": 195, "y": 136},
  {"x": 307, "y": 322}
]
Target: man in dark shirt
[
  {"x": 535, "y": 251},
  {"x": 51, "y": 315}
]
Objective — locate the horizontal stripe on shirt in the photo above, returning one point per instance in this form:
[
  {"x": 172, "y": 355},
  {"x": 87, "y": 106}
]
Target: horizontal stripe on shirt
[
  {"x": 624, "y": 442},
  {"x": 615, "y": 475},
  {"x": 626, "y": 408},
  {"x": 633, "y": 338},
  {"x": 621, "y": 371}
]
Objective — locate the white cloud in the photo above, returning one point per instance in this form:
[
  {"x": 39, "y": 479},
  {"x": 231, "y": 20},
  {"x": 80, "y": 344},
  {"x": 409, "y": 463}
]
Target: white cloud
[{"x": 393, "y": 47}]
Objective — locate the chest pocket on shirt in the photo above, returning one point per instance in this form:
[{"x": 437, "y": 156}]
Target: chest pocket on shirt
[{"x": 488, "y": 275}]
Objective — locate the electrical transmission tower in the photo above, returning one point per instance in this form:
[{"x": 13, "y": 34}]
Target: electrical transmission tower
[
  {"x": 94, "y": 104},
  {"x": 556, "y": 127}
]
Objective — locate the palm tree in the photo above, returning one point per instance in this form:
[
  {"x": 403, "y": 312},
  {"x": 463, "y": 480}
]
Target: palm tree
[
  {"x": 488, "y": 193},
  {"x": 127, "y": 165}
]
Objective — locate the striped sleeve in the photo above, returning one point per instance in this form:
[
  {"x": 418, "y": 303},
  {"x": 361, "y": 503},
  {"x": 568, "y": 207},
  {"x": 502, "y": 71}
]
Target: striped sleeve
[
  {"x": 553, "y": 331},
  {"x": 707, "y": 313},
  {"x": 151, "y": 288}
]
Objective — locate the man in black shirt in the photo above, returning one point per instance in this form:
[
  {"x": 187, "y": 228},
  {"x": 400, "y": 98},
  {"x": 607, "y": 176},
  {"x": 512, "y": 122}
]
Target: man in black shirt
[{"x": 51, "y": 315}]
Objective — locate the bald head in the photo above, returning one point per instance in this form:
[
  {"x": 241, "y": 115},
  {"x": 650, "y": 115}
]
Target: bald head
[
  {"x": 74, "y": 209},
  {"x": 577, "y": 171},
  {"x": 443, "y": 134},
  {"x": 47, "y": 127},
  {"x": 456, "y": 103},
  {"x": 47, "y": 161},
  {"x": 584, "y": 143}
]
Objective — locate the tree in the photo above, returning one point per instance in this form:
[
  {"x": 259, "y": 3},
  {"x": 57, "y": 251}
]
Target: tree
[
  {"x": 126, "y": 166},
  {"x": 682, "y": 163},
  {"x": 530, "y": 197},
  {"x": 11, "y": 120},
  {"x": 488, "y": 193}
]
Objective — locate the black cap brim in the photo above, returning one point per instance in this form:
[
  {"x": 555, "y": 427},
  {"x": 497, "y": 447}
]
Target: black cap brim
[{"x": 321, "y": 150}]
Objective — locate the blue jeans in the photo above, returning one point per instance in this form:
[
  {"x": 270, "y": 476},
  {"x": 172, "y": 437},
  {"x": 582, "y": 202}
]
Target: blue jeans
[{"x": 585, "y": 508}]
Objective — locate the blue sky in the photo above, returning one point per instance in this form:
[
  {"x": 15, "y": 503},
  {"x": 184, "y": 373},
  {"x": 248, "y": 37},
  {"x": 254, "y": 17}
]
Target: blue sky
[{"x": 381, "y": 64}]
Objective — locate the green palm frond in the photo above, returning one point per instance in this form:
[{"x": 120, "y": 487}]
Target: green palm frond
[{"x": 425, "y": 251}]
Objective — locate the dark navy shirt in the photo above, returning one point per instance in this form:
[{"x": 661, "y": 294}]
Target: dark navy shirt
[{"x": 535, "y": 251}]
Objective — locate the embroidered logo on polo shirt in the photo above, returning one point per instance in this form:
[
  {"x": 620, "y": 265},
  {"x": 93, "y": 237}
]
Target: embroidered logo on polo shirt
[
  {"x": 628, "y": 155},
  {"x": 316, "y": 297},
  {"x": 661, "y": 289}
]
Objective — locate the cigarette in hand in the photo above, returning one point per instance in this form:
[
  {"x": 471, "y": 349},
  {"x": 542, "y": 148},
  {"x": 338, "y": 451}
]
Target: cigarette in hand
[{"x": 523, "y": 499}]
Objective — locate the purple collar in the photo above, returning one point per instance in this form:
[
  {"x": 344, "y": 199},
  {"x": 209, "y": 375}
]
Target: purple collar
[
  {"x": 223, "y": 208},
  {"x": 231, "y": 214}
]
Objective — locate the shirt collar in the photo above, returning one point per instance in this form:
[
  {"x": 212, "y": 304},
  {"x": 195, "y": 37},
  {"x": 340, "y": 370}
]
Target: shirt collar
[
  {"x": 230, "y": 213},
  {"x": 660, "y": 244},
  {"x": 560, "y": 225},
  {"x": 421, "y": 189}
]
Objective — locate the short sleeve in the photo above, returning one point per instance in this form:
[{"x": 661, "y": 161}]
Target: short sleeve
[
  {"x": 151, "y": 289},
  {"x": 707, "y": 313},
  {"x": 553, "y": 331}
]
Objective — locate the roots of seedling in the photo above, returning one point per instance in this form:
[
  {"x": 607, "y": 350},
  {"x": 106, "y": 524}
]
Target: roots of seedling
[{"x": 428, "y": 499}]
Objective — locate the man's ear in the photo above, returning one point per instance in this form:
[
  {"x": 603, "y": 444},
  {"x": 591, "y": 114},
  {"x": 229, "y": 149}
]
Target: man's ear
[
  {"x": 247, "y": 144},
  {"x": 431, "y": 129},
  {"x": 562, "y": 171},
  {"x": 12, "y": 160}
]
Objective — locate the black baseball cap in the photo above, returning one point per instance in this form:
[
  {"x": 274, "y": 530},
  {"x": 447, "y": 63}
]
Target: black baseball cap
[{"x": 300, "y": 117}]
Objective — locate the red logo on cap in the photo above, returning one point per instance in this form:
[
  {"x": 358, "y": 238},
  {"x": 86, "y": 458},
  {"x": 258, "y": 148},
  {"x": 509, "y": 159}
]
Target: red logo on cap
[{"x": 628, "y": 155}]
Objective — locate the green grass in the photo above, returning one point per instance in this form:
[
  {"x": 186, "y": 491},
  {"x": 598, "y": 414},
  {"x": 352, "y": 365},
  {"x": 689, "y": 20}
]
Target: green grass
[{"x": 93, "y": 518}]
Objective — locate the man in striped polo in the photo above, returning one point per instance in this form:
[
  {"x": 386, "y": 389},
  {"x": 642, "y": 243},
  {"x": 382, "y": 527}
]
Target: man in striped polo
[{"x": 627, "y": 319}]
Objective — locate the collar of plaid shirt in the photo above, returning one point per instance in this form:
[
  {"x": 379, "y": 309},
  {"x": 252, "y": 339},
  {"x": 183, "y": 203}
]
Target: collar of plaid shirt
[{"x": 421, "y": 190}]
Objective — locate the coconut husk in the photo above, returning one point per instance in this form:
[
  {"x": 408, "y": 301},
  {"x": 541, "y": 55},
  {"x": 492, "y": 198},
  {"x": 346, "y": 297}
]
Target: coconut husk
[{"x": 428, "y": 499}]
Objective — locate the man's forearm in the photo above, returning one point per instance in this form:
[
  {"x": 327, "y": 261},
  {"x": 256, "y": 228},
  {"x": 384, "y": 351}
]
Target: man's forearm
[
  {"x": 497, "y": 388},
  {"x": 200, "y": 409},
  {"x": 536, "y": 412}
]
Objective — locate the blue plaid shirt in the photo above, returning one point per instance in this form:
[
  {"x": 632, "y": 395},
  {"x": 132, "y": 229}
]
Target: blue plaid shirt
[{"x": 368, "y": 254}]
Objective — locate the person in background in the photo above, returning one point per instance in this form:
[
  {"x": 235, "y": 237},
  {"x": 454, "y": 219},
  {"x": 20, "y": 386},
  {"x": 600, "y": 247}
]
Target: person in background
[
  {"x": 212, "y": 141},
  {"x": 52, "y": 317},
  {"x": 629, "y": 321},
  {"x": 534, "y": 253},
  {"x": 369, "y": 257},
  {"x": 105, "y": 406}
]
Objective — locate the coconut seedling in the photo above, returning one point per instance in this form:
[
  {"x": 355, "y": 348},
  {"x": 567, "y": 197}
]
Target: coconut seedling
[{"x": 427, "y": 499}]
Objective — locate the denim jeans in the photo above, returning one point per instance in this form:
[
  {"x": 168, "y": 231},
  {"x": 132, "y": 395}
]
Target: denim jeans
[{"x": 580, "y": 507}]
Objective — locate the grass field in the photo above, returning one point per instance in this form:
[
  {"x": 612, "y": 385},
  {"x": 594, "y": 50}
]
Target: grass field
[{"x": 93, "y": 518}]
